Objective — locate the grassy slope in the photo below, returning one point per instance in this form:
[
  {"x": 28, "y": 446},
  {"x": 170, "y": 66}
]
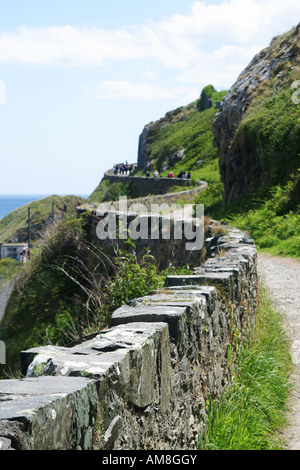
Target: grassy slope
[
  {"x": 107, "y": 191},
  {"x": 186, "y": 128},
  {"x": 272, "y": 123},
  {"x": 18, "y": 219}
]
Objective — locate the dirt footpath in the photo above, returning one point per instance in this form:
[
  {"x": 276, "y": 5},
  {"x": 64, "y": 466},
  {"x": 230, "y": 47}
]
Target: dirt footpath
[{"x": 282, "y": 277}]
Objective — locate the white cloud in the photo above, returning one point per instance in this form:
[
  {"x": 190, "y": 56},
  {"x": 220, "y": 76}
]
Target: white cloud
[
  {"x": 149, "y": 74},
  {"x": 67, "y": 45},
  {"x": 210, "y": 45},
  {"x": 115, "y": 90},
  {"x": 221, "y": 67},
  {"x": 174, "y": 41}
]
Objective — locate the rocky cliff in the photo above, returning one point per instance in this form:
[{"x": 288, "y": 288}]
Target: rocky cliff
[
  {"x": 151, "y": 133},
  {"x": 241, "y": 161},
  {"x": 182, "y": 139}
]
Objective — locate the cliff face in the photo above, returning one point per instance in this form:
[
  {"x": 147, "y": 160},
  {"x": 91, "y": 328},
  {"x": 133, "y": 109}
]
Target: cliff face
[
  {"x": 152, "y": 132},
  {"x": 182, "y": 139},
  {"x": 142, "y": 150},
  {"x": 241, "y": 163}
]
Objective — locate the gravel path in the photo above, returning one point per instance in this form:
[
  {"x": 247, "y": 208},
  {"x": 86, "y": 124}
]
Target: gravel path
[{"x": 282, "y": 278}]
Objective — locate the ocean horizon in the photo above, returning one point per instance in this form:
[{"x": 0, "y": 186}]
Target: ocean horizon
[{"x": 10, "y": 202}]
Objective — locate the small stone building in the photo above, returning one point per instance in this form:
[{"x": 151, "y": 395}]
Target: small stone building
[{"x": 17, "y": 251}]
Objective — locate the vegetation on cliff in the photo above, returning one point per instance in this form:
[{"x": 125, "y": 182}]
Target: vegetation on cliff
[
  {"x": 108, "y": 191},
  {"x": 267, "y": 141},
  {"x": 182, "y": 139},
  {"x": 14, "y": 226},
  {"x": 271, "y": 124}
]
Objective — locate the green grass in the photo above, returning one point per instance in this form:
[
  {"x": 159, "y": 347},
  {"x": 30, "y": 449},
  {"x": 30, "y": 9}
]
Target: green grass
[
  {"x": 187, "y": 128},
  {"x": 18, "y": 219},
  {"x": 108, "y": 191},
  {"x": 274, "y": 227},
  {"x": 272, "y": 127},
  {"x": 8, "y": 269},
  {"x": 270, "y": 215},
  {"x": 251, "y": 411},
  {"x": 269, "y": 134}
]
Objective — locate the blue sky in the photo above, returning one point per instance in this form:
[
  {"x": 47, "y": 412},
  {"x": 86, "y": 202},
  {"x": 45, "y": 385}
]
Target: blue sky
[{"x": 82, "y": 78}]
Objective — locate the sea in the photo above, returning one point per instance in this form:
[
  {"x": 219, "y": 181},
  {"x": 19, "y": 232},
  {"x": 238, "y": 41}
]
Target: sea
[{"x": 10, "y": 202}]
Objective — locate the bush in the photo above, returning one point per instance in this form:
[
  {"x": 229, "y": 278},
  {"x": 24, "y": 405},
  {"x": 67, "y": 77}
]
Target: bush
[
  {"x": 206, "y": 93},
  {"x": 132, "y": 279}
]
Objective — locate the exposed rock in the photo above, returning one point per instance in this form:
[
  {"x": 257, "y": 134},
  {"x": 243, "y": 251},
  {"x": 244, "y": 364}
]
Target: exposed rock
[
  {"x": 12, "y": 436},
  {"x": 142, "y": 151},
  {"x": 241, "y": 170},
  {"x": 206, "y": 102},
  {"x": 47, "y": 413}
]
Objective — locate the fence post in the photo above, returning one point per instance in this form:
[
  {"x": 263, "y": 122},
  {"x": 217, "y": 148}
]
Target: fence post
[{"x": 2, "y": 353}]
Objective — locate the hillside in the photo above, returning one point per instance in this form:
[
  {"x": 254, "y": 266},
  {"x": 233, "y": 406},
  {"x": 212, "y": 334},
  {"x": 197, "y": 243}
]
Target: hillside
[
  {"x": 14, "y": 226},
  {"x": 244, "y": 143},
  {"x": 257, "y": 135},
  {"x": 257, "y": 130},
  {"x": 247, "y": 148},
  {"x": 182, "y": 139}
]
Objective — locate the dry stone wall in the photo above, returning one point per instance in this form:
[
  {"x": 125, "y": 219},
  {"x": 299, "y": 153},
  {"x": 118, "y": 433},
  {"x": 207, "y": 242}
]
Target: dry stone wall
[
  {"x": 142, "y": 186},
  {"x": 143, "y": 383},
  {"x": 157, "y": 187}
]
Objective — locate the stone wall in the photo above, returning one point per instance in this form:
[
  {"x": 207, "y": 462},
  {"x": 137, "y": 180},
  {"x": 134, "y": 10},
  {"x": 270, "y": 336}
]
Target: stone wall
[
  {"x": 142, "y": 186},
  {"x": 185, "y": 196},
  {"x": 171, "y": 238},
  {"x": 144, "y": 382}
]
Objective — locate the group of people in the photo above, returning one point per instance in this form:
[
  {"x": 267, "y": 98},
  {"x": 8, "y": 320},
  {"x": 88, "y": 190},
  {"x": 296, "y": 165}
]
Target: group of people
[
  {"x": 123, "y": 169},
  {"x": 182, "y": 174},
  {"x": 155, "y": 174}
]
